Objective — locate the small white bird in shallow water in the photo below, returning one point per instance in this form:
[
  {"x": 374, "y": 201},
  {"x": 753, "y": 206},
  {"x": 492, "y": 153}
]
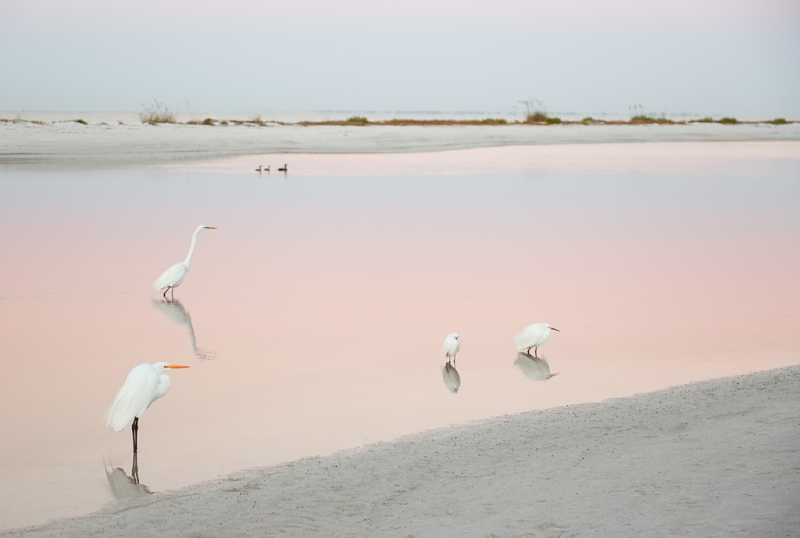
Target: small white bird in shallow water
[
  {"x": 144, "y": 385},
  {"x": 451, "y": 345},
  {"x": 172, "y": 277},
  {"x": 534, "y": 336}
]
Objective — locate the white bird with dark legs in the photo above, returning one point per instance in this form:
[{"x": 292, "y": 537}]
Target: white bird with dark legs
[
  {"x": 173, "y": 276},
  {"x": 145, "y": 384},
  {"x": 451, "y": 346},
  {"x": 533, "y": 337}
]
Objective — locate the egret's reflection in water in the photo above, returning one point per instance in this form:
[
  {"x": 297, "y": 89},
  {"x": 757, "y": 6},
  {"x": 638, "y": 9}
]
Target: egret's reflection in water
[
  {"x": 124, "y": 486},
  {"x": 533, "y": 367},
  {"x": 174, "y": 311},
  {"x": 451, "y": 378}
]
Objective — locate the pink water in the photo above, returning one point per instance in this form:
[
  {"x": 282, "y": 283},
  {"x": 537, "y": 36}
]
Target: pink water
[{"x": 313, "y": 317}]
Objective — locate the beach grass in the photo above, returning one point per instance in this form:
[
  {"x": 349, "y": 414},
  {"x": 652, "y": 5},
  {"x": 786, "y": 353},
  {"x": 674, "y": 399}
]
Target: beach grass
[
  {"x": 156, "y": 113},
  {"x": 648, "y": 119},
  {"x": 536, "y": 117}
]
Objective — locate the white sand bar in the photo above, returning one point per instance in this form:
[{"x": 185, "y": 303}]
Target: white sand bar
[
  {"x": 717, "y": 458},
  {"x": 75, "y": 145}
]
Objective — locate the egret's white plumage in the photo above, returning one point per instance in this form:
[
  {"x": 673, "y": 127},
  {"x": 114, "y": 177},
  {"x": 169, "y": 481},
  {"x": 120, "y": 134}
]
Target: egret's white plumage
[
  {"x": 451, "y": 345},
  {"x": 534, "y": 336},
  {"x": 451, "y": 378},
  {"x": 174, "y": 276},
  {"x": 144, "y": 385}
]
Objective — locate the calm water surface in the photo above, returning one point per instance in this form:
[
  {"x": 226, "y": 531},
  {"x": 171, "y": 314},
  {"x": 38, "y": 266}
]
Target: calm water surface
[{"x": 313, "y": 317}]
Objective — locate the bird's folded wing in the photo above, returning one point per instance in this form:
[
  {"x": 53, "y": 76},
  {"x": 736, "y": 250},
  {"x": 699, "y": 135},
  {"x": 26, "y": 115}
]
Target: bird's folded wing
[{"x": 171, "y": 276}]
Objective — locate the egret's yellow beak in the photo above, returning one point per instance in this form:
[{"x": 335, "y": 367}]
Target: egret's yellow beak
[{"x": 175, "y": 366}]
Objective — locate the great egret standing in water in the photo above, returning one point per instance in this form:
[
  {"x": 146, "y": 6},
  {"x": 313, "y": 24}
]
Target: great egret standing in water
[
  {"x": 534, "y": 336},
  {"x": 145, "y": 384},
  {"x": 451, "y": 346},
  {"x": 173, "y": 276}
]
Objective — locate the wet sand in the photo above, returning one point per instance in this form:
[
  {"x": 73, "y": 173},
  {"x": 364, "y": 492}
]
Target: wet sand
[
  {"x": 65, "y": 145},
  {"x": 716, "y": 458}
]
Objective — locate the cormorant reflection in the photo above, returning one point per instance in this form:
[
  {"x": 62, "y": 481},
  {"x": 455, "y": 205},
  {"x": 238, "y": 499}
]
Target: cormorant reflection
[
  {"x": 124, "y": 486},
  {"x": 534, "y": 367},
  {"x": 175, "y": 312},
  {"x": 451, "y": 378}
]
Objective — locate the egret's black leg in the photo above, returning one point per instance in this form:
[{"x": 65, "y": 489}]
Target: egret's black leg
[
  {"x": 165, "y": 292},
  {"x": 135, "y": 431},
  {"x": 172, "y": 293},
  {"x": 536, "y": 352}
]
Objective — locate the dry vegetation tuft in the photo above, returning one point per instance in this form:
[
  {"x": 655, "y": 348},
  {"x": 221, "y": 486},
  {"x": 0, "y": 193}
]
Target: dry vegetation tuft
[
  {"x": 157, "y": 113},
  {"x": 536, "y": 112},
  {"x": 648, "y": 119}
]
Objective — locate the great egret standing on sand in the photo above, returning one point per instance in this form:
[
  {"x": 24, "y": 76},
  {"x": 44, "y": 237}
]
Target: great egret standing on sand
[
  {"x": 534, "y": 336},
  {"x": 451, "y": 346},
  {"x": 145, "y": 384},
  {"x": 173, "y": 276}
]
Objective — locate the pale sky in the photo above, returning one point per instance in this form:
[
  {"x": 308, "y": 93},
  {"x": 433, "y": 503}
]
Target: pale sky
[{"x": 734, "y": 57}]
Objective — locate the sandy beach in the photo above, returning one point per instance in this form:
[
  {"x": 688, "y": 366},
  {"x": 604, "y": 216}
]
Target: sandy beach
[
  {"x": 716, "y": 458},
  {"x": 69, "y": 144}
]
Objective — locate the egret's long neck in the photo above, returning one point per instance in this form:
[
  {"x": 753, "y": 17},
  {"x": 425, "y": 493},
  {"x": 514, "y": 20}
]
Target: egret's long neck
[{"x": 188, "y": 261}]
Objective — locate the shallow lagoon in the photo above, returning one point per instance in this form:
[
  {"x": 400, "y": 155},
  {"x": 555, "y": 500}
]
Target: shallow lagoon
[{"x": 313, "y": 317}]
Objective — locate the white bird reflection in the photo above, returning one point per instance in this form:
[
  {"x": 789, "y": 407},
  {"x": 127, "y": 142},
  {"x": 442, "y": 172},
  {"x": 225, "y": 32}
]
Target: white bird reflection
[
  {"x": 451, "y": 378},
  {"x": 174, "y": 311},
  {"x": 124, "y": 486},
  {"x": 534, "y": 367}
]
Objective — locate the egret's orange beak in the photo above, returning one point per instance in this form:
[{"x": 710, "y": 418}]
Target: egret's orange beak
[{"x": 175, "y": 366}]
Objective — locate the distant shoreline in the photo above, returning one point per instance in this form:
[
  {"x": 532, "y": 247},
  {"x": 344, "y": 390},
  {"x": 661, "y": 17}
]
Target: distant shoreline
[
  {"x": 67, "y": 144},
  {"x": 715, "y": 458},
  {"x": 365, "y": 122}
]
